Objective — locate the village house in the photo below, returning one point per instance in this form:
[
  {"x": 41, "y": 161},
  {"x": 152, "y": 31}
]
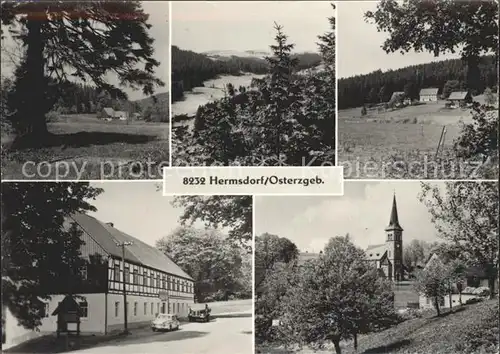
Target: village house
[
  {"x": 429, "y": 95},
  {"x": 121, "y": 115},
  {"x": 153, "y": 284},
  {"x": 474, "y": 283},
  {"x": 107, "y": 113},
  {"x": 397, "y": 98},
  {"x": 459, "y": 99}
]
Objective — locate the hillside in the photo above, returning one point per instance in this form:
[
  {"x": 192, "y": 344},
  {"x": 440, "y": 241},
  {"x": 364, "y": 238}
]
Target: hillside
[
  {"x": 452, "y": 333},
  {"x": 378, "y": 86},
  {"x": 154, "y": 111},
  {"x": 191, "y": 69}
]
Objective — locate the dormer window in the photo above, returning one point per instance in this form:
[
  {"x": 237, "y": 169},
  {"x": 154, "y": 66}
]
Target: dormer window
[{"x": 378, "y": 254}]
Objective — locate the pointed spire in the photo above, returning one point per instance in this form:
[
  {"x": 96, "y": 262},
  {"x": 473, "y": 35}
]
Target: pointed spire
[{"x": 394, "y": 220}]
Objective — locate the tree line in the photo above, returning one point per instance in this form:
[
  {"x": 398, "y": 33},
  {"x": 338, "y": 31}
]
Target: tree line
[
  {"x": 286, "y": 118},
  {"x": 191, "y": 69},
  {"x": 447, "y": 75}
]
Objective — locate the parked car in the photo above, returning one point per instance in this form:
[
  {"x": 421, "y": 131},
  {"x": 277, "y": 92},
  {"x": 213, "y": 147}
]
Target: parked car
[
  {"x": 165, "y": 322},
  {"x": 199, "y": 313}
]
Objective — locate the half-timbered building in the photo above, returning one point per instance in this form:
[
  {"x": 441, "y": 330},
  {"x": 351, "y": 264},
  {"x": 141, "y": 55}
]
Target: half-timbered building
[{"x": 153, "y": 283}]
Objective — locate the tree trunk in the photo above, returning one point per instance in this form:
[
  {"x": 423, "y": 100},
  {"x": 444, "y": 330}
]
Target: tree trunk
[
  {"x": 460, "y": 297},
  {"x": 355, "y": 341},
  {"x": 436, "y": 305},
  {"x": 491, "y": 285},
  {"x": 451, "y": 302},
  {"x": 336, "y": 343},
  {"x": 34, "y": 112}
]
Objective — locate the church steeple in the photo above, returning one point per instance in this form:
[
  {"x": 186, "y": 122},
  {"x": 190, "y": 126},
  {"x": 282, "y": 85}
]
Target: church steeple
[{"x": 394, "y": 221}]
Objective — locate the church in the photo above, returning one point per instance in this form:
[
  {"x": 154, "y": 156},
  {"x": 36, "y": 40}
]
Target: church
[{"x": 388, "y": 257}]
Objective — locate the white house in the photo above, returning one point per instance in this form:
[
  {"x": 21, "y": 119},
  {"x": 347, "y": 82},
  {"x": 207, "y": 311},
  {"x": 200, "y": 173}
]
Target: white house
[
  {"x": 429, "y": 94},
  {"x": 121, "y": 115},
  {"x": 107, "y": 113},
  {"x": 153, "y": 284},
  {"x": 474, "y": 282}
]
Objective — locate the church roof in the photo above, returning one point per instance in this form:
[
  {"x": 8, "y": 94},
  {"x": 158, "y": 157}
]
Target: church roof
[
  {"x": 394, "y": 220},
  {"x": 375, "y": 252}
]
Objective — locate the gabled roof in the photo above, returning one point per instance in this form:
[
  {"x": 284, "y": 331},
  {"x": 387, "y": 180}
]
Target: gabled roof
[
  {"x": 397, "y": 94},
  {"x": 394, "y": 220},
  {"x": 429, "y": 91},
  {"x": 458, "y": 95},
  {"x": 109, "y": 111},
  {"x": 376, "y": 252},
  {"x": 138, "y": 252}
]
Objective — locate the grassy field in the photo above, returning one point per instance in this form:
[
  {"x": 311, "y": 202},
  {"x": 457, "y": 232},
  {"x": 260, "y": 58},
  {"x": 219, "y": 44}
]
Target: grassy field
[
  {"x": 468, "y": 329},
  {"x": 85, "y": 147},
  {"x": 230, "y": 306},
  {"x": 369, "y": 146}
]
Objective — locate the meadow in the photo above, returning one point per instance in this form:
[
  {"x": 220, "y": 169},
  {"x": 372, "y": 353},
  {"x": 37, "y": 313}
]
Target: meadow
[
  {"x": 398, "y": 143},
  {"x": 85, "y": 147}
]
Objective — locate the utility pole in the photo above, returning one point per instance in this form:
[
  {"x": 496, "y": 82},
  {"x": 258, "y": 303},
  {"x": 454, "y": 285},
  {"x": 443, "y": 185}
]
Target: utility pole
[{"x": 125, "y": 325}]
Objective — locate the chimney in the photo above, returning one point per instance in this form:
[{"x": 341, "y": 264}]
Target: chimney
[{"x": 110, "y": 224}]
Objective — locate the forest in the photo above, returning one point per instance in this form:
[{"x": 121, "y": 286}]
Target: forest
[
  {"x": 378, "y": 86},
  {"x": 191, "y": 69}
]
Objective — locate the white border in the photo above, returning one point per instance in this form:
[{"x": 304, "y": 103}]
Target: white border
[{"x": 170, "y": 83}]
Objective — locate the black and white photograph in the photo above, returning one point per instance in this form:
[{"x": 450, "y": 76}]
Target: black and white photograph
[
  {"x": 253, "y": 83},
  {"x": 418, "y": 89},
  {"x": 85, "y": 270},
  {"x": 389, "y": 267},
  {"x": 84, "y": 90}
]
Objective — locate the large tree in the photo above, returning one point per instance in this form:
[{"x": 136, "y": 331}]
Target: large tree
[
  {"x": 270, "y": 250},
  {"x": 439, "y": 27},
  {"x": 86, "y": 41},
  {"x": 212, "y": 260},
  {"x": 466, "y": 215},
  {"x": 232, "y": 212},
  {"x": 336, "y": 297},
  {"x": 37, "y": 251},
  {"x": 432, "y": 282}
]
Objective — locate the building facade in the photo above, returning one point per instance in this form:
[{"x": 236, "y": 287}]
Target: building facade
[
  {"x": 153, "y": 284},
  {"x": 429, "y": 95},
  {"x": 388, "y": 257}
]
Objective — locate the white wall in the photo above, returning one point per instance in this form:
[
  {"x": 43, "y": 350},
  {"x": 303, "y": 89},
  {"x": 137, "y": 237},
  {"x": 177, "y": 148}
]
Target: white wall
[
  {"x": 94, "y": 323},
  {"x": 426, "y": 303}
]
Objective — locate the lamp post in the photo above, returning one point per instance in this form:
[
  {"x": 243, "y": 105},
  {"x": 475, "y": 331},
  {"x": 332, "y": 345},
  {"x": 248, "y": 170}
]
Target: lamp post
[{"x": 125, "y": 325}]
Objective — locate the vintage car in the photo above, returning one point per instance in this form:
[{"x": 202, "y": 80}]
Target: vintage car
[
  {"x": 165, "y": 322},
  {"x": 199, "y": 313}
]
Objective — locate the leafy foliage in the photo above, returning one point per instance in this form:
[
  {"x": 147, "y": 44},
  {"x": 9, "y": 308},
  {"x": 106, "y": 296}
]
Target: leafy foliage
[
  {"x": 431, "y": 282},
  {"x": 219, "y": 268},
  {"x": 465, "y": 214},
  {"x": 336, "y": 297},
  {"x": 233, "y": 212},
  {"x": 68, "y": 41},
  {"x": 37, "y": 251}
]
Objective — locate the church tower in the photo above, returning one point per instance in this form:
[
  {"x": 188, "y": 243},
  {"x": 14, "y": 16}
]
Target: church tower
[{"x": 394, "y": 243}]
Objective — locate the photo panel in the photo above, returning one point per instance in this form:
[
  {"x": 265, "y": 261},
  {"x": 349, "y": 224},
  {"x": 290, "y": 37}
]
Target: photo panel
[
  {"x": 253, "y": 83},
  {"x": 105, "y": 276},
  {"x": 382, "y": 269},
  {"x": 100, "y": 105},
  {"x": 417, "y": 90}
]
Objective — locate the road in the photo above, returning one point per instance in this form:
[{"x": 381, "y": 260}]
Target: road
[{"x": 220, "y": 336}]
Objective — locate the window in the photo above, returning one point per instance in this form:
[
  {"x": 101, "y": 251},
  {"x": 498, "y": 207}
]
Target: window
[
  {"x": 126, "y": 275},
  {"x": 134, "y": 277},
  {"x": 158, "y": 307},
  {"x": 84, "y": 307},
  {"x": 178, "y": 307},
  {"x": 117, "y": 309},
  {"x": 158, "y": 284},
  {"x": 163, "y": 283},
  {"x": 145, "y": 279},
  {"x": 117, "y": 272},
  {"x": 152, "y": 308},
  {"x": 83, "y": 272},
  {"x": 135, "y": 308},
  {"x": 145, "y": 308},
  {"x": 182, "y": 286}
]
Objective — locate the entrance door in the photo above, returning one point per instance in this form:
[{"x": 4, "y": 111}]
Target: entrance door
[{"x": 163, "y": 307}]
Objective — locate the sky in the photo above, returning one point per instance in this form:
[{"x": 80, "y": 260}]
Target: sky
[
  {"x": 158, "y": 12},
  {"x": 363, "y": 212},
  {"x": 359, "y": 45},
  {"x": 240, "y": 26},
  {"x": 138, "y": 209}
]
